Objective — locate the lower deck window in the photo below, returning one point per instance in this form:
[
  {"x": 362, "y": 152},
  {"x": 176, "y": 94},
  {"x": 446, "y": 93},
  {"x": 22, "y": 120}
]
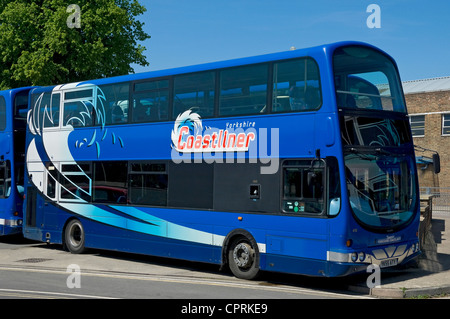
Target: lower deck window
[
  {"x": 148, "y": 184},
  {"x": 303, "y": 187}
]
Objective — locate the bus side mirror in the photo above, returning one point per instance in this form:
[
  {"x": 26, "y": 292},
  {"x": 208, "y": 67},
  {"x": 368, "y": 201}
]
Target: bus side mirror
[{"x": 436, "y": 163}]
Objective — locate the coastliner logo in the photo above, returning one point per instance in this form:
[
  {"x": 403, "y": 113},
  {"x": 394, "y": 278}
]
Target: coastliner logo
[
  {"x": 188, "y": 135},
  {"x": 229, "y": 145}
]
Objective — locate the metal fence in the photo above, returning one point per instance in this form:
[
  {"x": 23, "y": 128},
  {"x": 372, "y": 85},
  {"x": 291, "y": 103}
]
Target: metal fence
[{"x": 440, "y": 198}]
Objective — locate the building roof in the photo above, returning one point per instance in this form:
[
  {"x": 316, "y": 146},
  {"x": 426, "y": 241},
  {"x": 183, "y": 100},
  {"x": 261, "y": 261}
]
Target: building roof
[{"x": 427, "y": 85}]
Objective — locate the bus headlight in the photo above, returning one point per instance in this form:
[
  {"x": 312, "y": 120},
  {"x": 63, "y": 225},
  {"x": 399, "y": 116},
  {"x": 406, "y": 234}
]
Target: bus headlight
[
  {"x": 354, "y": 257},
  {"x": 361, "y": 256}
]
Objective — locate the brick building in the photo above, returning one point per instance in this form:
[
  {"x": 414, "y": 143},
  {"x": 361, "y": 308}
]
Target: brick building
[{"x": 428, "y": 103}]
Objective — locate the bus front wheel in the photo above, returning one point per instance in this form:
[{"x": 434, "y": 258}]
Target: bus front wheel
[
  {"x": 74, "y": 237},
  {"x": 243, "y": 259}
]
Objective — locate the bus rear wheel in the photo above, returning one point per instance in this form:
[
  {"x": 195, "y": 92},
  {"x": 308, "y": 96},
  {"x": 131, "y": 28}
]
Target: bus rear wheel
[
  {"x": 243, "y": 259},
  {"x": 74, "y": 237}
]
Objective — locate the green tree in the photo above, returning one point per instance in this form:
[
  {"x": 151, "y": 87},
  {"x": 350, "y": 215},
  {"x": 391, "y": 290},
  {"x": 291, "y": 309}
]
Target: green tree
[{"x": 39, "y": 47}]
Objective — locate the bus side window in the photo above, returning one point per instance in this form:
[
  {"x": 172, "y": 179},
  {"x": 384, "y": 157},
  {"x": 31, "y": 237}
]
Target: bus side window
[
  {"x": 243, "y": 90},
  {"x": 55, "y": 105},
  {"x": 116, "y": 104},
  {"x": 296, "y": 86},
  {"x": 303, "y": 187},
  {"x": 110, "y": 182},
  {"x": 148, "y": 183},
  {"x": 151, "y": 101},
  {"x": 194, "y": 92}
]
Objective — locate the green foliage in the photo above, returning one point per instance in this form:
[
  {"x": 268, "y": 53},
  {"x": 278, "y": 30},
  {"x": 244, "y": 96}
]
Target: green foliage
[{"x": 38, "y": 48}]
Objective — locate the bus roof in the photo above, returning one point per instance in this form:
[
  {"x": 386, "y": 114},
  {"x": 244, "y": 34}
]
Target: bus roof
[{"x": 312, "y": 52}]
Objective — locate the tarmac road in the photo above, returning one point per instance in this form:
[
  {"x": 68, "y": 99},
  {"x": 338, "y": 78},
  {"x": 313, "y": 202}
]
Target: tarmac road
[
  {"x": 41, "y": 265},
  {"x": 37, "y": 270}
]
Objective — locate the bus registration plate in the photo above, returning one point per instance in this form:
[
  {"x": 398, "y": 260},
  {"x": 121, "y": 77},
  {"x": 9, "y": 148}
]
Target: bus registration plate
[{"x": 389, "y": 263}]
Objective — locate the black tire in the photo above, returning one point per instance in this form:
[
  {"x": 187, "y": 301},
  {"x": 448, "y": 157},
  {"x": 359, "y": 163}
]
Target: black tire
[
  {"x": 243, "y": 258},
  {"x": 74, "y": 237}
]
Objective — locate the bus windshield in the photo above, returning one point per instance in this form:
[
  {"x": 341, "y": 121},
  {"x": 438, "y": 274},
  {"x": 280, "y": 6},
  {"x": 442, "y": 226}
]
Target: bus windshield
[
  {"x": 381, "y": 189},
  {"x": 366, "y": 79}
]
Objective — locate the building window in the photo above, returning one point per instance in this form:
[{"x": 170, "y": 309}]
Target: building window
[
  {"x": 445, "y": 124},
  {"x": 417, "y": 125}
]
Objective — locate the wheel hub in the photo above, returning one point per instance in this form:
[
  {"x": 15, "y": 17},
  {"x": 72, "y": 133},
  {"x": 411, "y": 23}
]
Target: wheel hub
[{"x": 243, "y": 255}]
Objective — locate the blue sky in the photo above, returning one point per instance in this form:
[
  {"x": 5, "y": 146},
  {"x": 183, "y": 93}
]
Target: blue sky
[{"x": 186, "y": 32}]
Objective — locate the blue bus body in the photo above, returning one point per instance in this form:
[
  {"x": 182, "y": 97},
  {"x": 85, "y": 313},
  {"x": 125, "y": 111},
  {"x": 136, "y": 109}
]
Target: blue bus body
[
  {"x": 312, "y": 191},
  {"x": 13, "y": 110}
]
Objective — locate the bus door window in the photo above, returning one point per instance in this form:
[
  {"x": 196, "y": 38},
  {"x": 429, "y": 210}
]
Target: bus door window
[{"x": 303, "y": 187}]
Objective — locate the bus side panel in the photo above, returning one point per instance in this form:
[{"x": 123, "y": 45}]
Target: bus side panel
[{"x": 115, "y": 233}]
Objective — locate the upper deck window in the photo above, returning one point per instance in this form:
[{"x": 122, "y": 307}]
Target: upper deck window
[
  {"x": 150, "y": 101},
  {"x": 243, "y": 90},
  {"x": 296, "y": 86},
  {"x": 194, "y": 92},
  {"x": 366, "y": 79}
]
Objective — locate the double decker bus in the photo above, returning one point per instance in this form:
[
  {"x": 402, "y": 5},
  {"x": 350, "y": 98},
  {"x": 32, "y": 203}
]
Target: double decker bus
[
  {"x": 13, "y": 112},
  {"x": 298, "y": 162}
]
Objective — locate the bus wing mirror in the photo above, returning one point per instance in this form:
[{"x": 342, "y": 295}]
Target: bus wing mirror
[{"x": 437, "y": 163}]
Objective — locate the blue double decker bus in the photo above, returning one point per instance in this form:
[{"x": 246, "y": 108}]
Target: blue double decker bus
[
  {"x": 298, "y": 162},
  {"x": 13, "y": 111}
]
